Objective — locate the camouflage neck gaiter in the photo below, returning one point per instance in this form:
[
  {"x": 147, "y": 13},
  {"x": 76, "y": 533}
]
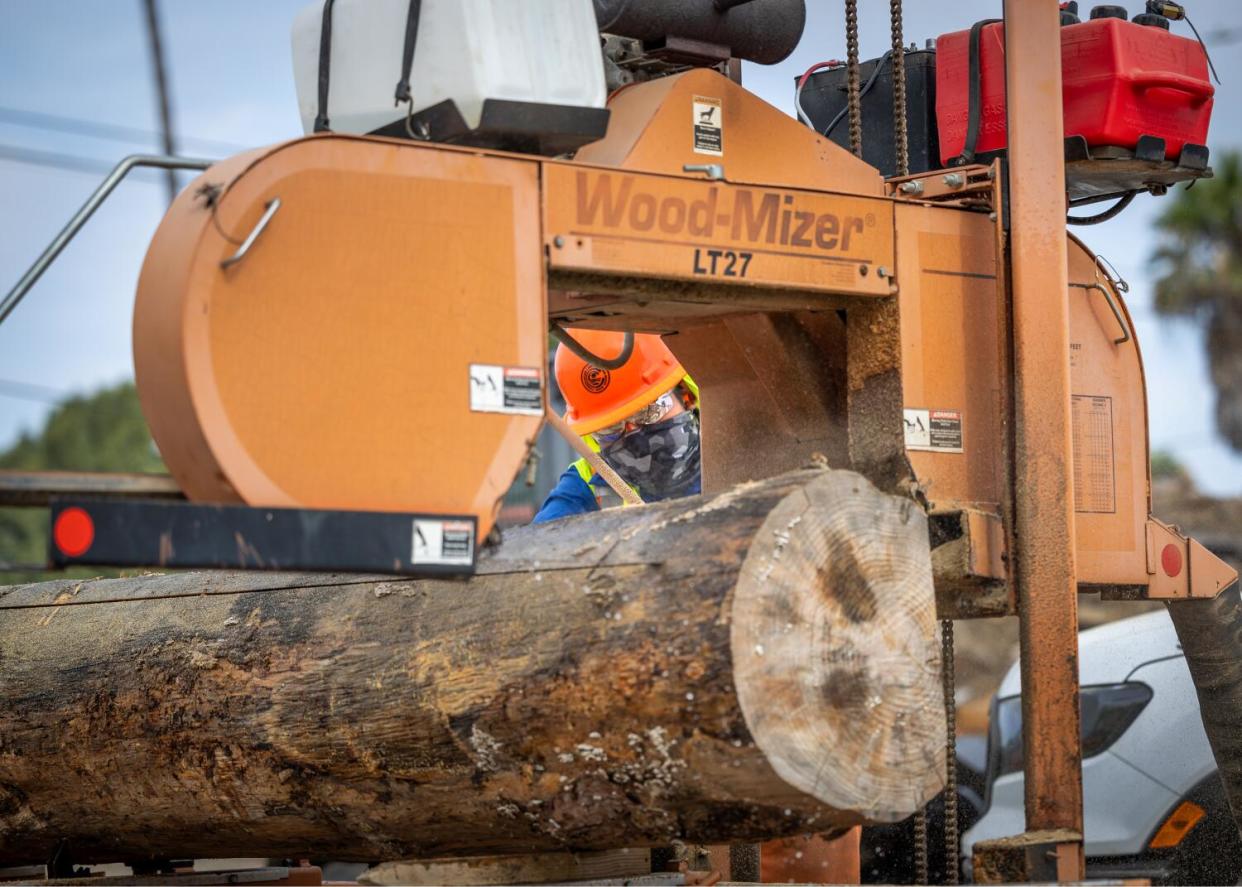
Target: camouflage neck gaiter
[{"x": 660, "y": 460}]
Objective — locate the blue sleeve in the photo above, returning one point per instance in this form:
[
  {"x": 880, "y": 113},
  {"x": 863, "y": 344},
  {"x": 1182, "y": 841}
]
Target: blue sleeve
[{"x": 571, "y": 495}]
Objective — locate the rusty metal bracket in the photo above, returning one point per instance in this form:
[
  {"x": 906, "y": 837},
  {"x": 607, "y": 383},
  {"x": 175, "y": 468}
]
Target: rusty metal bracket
[
  {"x": 1032, "y": 857},
  {"x": 970, "y": 564},
  {"x": 1180, "y": 567},
  {"x": 967, "y": 185}
]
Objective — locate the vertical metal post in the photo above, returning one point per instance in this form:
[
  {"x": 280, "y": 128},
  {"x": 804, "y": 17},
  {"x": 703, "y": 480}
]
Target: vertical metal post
[
  {"x": 160, "y": 70},
  {"x": 1043, "y": 459}
]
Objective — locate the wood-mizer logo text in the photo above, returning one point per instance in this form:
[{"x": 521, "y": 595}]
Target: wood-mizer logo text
[{"x": 739, "y": 214}]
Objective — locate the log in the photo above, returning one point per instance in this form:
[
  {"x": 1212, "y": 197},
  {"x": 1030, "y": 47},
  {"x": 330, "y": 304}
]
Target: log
[{"x": 755, "y": 664}]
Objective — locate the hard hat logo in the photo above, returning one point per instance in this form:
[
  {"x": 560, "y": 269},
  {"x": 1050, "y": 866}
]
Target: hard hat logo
[{"x": 595, "y": 379}]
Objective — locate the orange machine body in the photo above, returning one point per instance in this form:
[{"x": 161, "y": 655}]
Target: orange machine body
[
  {"x": 823, "y": 313},
  {"x": 381, "y": 345}
]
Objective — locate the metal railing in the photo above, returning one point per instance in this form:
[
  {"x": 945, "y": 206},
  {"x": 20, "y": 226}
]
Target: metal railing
[{"x": 80, "y": 218}]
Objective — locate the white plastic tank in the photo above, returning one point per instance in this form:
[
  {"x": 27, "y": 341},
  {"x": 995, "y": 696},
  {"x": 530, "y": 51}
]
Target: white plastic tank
[{"x": 545, "y": 51}]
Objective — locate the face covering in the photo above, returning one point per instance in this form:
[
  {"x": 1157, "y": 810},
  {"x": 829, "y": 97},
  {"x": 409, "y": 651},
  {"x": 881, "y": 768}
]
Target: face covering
[{"x": 662, "y": 460}]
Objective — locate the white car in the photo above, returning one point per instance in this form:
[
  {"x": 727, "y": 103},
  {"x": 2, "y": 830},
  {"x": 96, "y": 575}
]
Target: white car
[{"x": 1153, "y": 803}]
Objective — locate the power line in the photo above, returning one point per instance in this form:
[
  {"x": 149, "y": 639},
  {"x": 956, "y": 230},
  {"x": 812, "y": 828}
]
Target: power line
[
  {"x": 111, "y": 131},
  {"x": 163, "y": 97},
  {"x": 56, "y": 397},
  {"x": 67, "y": 162},
  {"x": 31, "y": 391},
  {"x": 54, "y": 159},
  {"x": 1223, "y": 36}
]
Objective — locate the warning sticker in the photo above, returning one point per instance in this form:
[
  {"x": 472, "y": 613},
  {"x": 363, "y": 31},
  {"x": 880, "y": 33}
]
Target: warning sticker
[
  {"x": 936, "y": 430},
  {"x": 708, "y": 126},
  {"x": 443, "y": 542},
  {"x": 1094, "y": 483},
  {"x": 500, "y": 389}
]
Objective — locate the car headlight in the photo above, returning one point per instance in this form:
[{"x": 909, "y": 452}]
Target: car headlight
[{"x": 1108, "y": 710}]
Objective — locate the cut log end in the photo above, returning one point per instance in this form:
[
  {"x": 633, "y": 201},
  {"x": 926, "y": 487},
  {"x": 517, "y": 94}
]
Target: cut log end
[{"x": 840, "y": 688}]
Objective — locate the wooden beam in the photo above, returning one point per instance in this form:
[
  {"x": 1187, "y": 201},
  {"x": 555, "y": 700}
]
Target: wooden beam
[{"x": 36, "y": 488}]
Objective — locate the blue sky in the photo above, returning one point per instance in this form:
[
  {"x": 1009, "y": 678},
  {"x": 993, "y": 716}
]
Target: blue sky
[{"x": 232, "y": 87}]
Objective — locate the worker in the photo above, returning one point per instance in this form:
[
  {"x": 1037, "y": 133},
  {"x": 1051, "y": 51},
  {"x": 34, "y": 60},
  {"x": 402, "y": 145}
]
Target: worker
[{"x": 641, "y": 418}]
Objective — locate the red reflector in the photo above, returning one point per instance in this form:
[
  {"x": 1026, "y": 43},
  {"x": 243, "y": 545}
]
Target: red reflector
[
  {"x": 73, "y": 532},
  {"x": 1171, "y": 560}
]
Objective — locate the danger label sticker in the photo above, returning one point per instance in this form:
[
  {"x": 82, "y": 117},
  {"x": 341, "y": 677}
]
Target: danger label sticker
[
  {"x": 501, "y": 389},
  {"x": 934, "y": 430},
  {"x": 708, "y": 126},
  {"x": 448, "y": 542}
]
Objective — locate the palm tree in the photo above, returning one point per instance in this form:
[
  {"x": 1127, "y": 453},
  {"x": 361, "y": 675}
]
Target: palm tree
[{"x": 1200, "y": 268}]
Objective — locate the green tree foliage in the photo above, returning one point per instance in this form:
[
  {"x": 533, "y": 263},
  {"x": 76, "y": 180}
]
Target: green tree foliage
[
  {"x": 1165, "y": 465},
  {"x": 104, "y": 431},
  {"x": 1199, "y": 261}
]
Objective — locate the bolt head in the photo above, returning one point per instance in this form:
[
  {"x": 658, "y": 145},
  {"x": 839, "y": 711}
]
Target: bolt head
[{"x": 558, "y": 241}]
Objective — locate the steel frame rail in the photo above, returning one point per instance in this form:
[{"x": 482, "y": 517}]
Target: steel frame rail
[
  {"x": 82, "y": 216},
  {"x": 1043, "y": 483}
]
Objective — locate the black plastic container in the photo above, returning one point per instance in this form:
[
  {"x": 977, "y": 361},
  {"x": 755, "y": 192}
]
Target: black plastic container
[
  {"x": 824, "y": 97},
  {"x": 763, "y": 31}
]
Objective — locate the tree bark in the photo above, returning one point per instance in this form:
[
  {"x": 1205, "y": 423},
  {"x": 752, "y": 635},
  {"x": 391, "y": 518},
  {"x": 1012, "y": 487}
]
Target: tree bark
[
  {"x": 1210, "y": 633},
  {"x": 755, "y": 664}
]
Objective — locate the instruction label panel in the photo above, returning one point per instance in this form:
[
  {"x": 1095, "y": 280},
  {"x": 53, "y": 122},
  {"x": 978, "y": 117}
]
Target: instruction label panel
[
  {"x": 1094, "y": 480},
  {"x": 933, "y": 430},
  {"x": 501, "y": 389},
  {"x": 708, "y": 126},
  {"x": 448, "y": 542}
]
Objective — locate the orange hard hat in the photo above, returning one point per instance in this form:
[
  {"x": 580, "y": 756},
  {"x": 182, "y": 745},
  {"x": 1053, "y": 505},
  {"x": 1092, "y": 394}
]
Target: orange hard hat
[{"x": 597, "y": 398}]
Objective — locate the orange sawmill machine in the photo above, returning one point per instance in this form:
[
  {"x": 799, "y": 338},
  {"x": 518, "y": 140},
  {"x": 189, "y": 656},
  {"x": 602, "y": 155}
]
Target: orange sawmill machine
[{"x": 341, "y": 341}]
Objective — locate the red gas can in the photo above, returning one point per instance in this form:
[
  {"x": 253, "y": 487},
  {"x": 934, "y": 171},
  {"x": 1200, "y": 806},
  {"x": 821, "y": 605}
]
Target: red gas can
[{"x": 1120, "y": 80}]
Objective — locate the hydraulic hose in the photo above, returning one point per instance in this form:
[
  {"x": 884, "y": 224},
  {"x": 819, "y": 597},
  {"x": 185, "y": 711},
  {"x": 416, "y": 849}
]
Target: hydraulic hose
[
  {"x": 604, "y": 363},
  {"x": 1125, "y": 200}
]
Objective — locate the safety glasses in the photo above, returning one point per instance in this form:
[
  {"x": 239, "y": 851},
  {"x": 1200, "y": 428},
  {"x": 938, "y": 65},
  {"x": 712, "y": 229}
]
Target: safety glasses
[{"x": 654, "y": 412}]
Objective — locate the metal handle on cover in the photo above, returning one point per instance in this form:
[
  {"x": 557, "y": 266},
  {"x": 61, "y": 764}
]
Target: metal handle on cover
[
  {"x": 272, "y": 206},
  {"x": 1112, "y": 305}
]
